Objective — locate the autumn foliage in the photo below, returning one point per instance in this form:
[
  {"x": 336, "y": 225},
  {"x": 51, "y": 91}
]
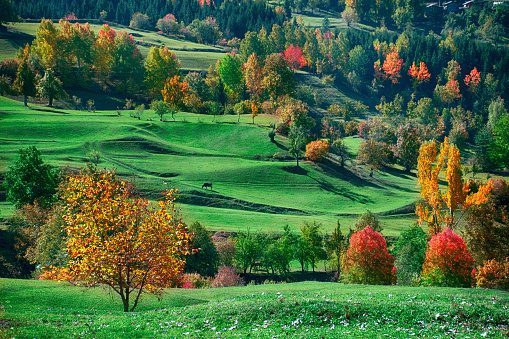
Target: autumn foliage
[
  {"x": 294, "y": 57},
  {"x": 392, "y": 66},
  {"x": 316, "y": 150},
  {"x": 473, "y": 79},
  {"x": 419, "y": 74},
  {"x": 447, "y": 261},
  {"x": 367, "y": 260},
  {"x": 429, "y": 165},
  {"x": 493, "y": 274},
  {"x": 117, "y": 239}
]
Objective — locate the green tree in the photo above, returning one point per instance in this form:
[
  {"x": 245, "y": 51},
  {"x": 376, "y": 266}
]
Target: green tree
[
  {"x": 7, "y": 13},
  {"x": 204, "y": 258},
  {"x": 410, "y": 251},
  {"x": 312, "y": 243},
  {"x": 29, "y": 179},
  {"x": 367, "y": 219},
  {"x": 358, "y": 61},
  {"x": 297, "y": 139},
  {"x": 230, "y": 72},
  {"x": 247, "y": 250},
  {"x": 25, "y": 77},
  {"x": 127, "y": 63},
  {"x": 278, "y": 78},
  {"x": 335, "y": 246},
  {"x": 49, "y": 86},
  {"x": 160, "y": 108},
  {"x": 140, "y": 20}
]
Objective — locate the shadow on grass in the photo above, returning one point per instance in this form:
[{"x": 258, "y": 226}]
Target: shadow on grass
[{"x": 295, "y": 170}]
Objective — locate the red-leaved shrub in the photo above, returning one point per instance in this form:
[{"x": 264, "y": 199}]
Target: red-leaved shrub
[
  {"x": 367, "y": 260},
  {"x": 493, "y": 274},
  {"x": 187, "y": 284},
  {"x": 447, "y": 261},
  {"x": 226, "y": 277}
]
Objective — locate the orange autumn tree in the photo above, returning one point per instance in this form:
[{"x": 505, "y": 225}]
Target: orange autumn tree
[
  {"x": 392, "y": 66},
  {"x": 118, "y": 239},
  {"x": 429, "y": 166},
  {"x": 419, "y": 74},
  {"x": 317, "y": 150},
  {"x": 175, "y": 93},
  {"x": 473, "y": 79}
]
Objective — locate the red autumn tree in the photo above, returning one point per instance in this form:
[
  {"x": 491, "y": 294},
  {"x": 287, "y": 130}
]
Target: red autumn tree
[
  {"x": 473, "y": 79},
  {"x": 367, "y": 260},
  {"x": 392, "y": 66},
  {"x": 447, "y": 261},
  {"x": 419, "y": 74},
  {"x": 316, "y": 150},
  {"x": 294, "y": 57},
  {"x": 116, "y": 238}
]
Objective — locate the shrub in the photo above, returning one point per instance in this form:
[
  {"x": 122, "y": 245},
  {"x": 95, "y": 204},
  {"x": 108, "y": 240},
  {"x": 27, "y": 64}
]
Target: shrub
[
  {"x": 227, "y": 277},
  {"x": 196, "y": 280},
  {"x": 316, "y": 150},
  {"x": 367, "y": 260},
  {"x": 493, "y": 274},
  {"x": 447, "y": 261},
  {"x": 57, "y": 274},
  {"x": 225, "y": 248}
]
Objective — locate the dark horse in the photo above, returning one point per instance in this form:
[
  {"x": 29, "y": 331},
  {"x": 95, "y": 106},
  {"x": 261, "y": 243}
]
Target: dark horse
[{"x": 207, "y": 184}]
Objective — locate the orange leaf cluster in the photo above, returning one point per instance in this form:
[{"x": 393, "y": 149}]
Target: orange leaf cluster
[
  {"x": 493, "y": 274},
  {"x": 316, "y": 150},
  {"x": 175, "y": 91},
  {"x": 392, "y": 66},
  {"x": 420, "y": 74}
]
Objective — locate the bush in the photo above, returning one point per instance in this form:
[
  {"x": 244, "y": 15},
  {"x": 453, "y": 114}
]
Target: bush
[
  {"x": 56, "y": 274},
  {"x": 367, "y": 260},
  {"x": 225, "y": 248},
  {"x": 196, "y": 280},
  {"x": 494, "y": 274},
  {"x": 447, "y": 261},
  {"x": 227, "y": 277},
  {"x": 316, "y": 150}
]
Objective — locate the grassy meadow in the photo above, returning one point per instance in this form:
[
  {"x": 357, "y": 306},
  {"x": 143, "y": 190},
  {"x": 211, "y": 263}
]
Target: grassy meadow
[
  {"x": 250, "y": 187},
  {"x": 48, "y": 309}
]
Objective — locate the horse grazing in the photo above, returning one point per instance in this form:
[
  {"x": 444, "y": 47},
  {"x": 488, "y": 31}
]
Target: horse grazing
[{"x": 207, "y": 184}]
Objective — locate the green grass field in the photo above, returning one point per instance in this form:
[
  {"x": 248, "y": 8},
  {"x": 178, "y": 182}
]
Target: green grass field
[
  {"x": 250, "y": 188},
  {"x": 46, "y": 309}
]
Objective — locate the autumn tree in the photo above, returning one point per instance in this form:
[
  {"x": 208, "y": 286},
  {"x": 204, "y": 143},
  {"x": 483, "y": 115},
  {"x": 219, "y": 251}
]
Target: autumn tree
[
  {"x": 160, "y": 64},
  {"x": 294, "y": 58},
  {"x": 278, "y": 79},
  {"x": 49, "y": 86},
  {"x": 103, "y": 58},
  {"x": 487, "y": 225},
  {"x": 175, "y": 93},
  {"x": 127, "y": 63},
  {"x": 473, "y": 79},
  {"x": 367, "y": 260},
  {"x": 392, "y": 66},
  {"x": 407, "y": 146},
  {"x": 430, "y": 164},
  {"x": 253, "y": 76},
  {"x": 373, "y": 154},
  {"x": 25, "y": 76},
  {"x": 350, "y": 16},
  {"x": 117, "y": 239},
  {"x": 449, "y": 92},
  {"x": 317, "y": 150},
  {"x": 419, "y": 74},
  {"x": 447, "y": 263}
]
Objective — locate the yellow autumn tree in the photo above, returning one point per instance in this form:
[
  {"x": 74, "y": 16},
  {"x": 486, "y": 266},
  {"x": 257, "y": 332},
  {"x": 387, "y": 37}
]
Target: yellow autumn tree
[
  {"x": 117, "y": 239},
  {"x": 429, "y": 166}
]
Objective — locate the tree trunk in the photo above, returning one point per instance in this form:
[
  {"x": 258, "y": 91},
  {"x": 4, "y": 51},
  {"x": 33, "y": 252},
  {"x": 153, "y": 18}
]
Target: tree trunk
[
  {"x": 25, "y": 100},
  {"x": 50, "y": 104}
]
